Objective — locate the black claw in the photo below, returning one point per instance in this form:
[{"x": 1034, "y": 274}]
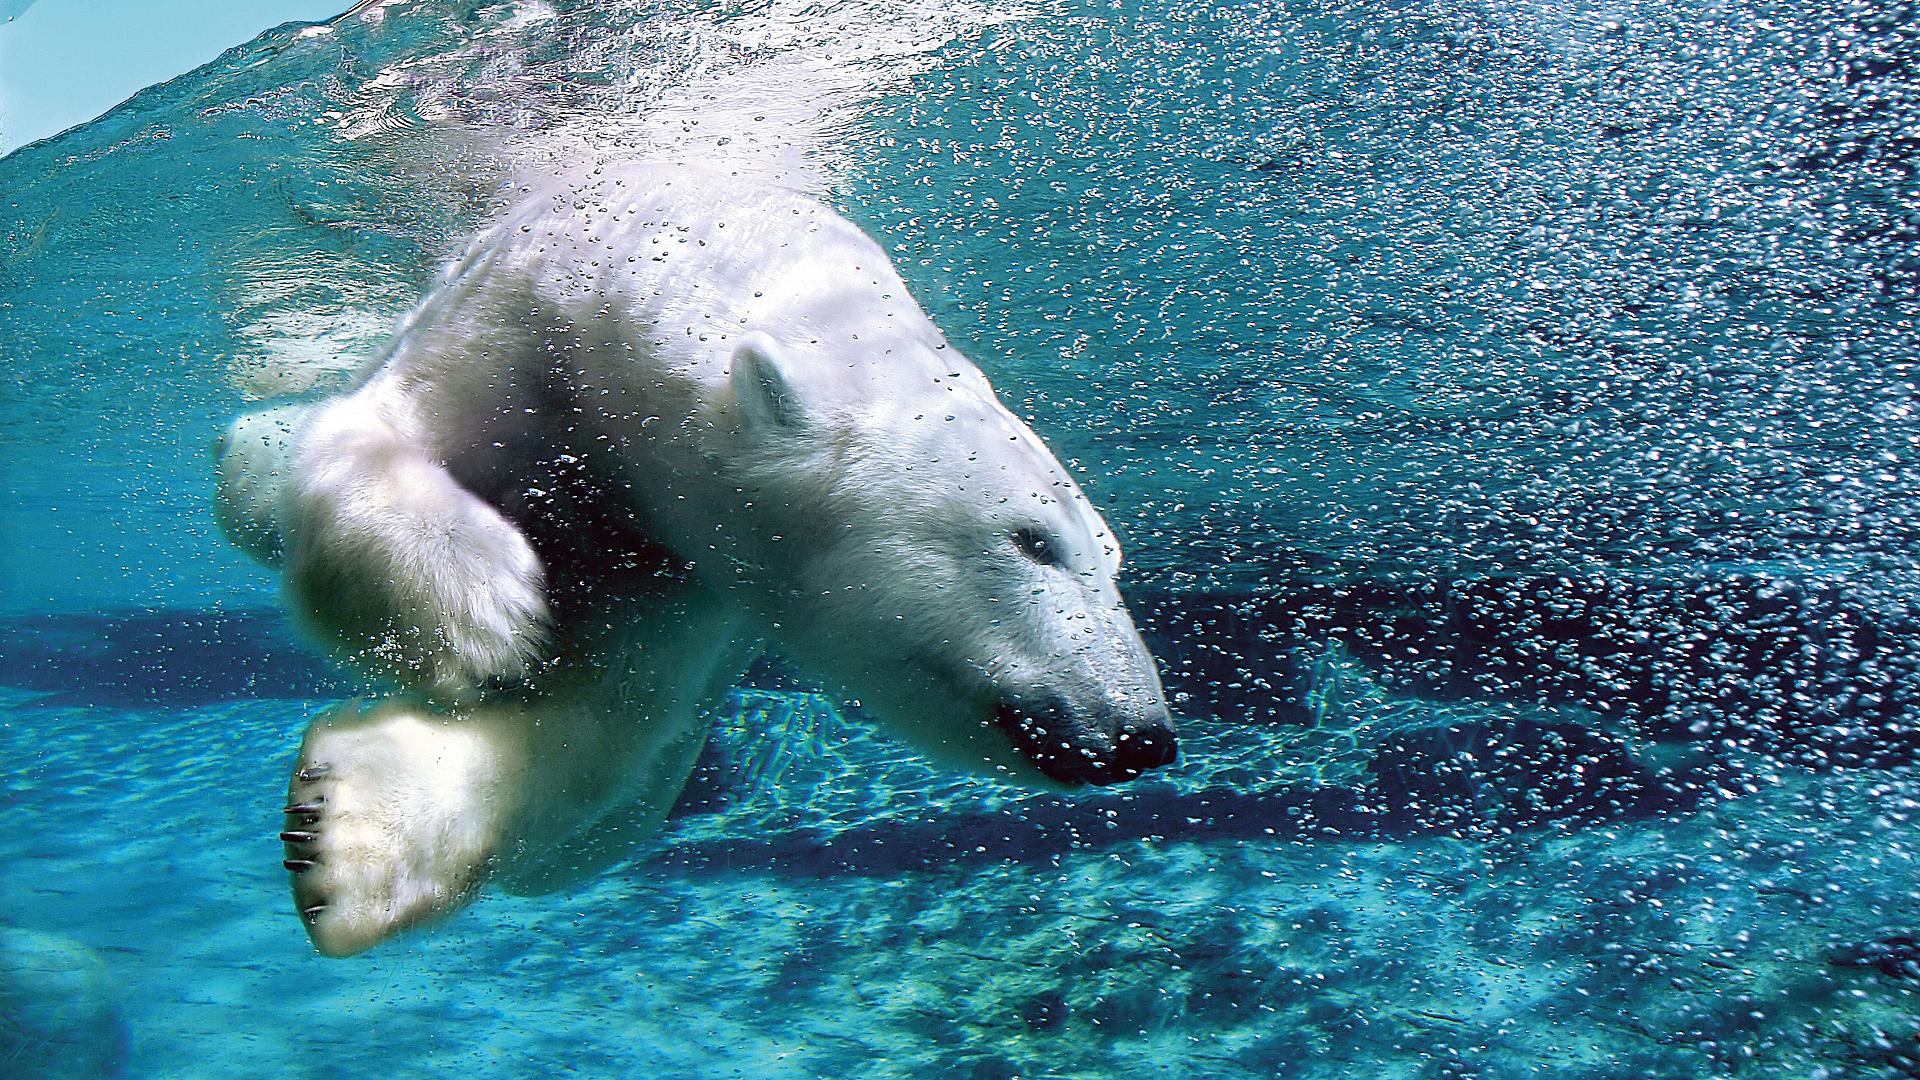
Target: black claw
[
  {"x": 313, "y": 913},
  {"x": 303, "y": 808},
  {"x": 314, "y": 772},
  {"x": 297, "y": 837},
  {"x": 298, "y": 866}
]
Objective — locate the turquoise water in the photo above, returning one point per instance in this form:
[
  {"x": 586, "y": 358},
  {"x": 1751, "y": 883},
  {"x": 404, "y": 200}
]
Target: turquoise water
[{"x": 1508, "y": 411}]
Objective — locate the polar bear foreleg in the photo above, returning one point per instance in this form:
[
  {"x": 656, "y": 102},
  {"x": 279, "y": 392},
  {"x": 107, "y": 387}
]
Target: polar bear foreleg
[{"x": 401, "y": 569}]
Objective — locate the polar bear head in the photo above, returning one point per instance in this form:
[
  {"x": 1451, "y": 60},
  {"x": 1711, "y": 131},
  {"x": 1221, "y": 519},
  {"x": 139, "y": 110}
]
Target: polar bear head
[{"x": 909, "y": 539}]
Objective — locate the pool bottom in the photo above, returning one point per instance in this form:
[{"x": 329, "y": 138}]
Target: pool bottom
[{"x": 1705, "y": 943}]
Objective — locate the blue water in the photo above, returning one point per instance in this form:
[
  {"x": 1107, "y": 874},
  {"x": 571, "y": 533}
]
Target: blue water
[{"x": 1508, "y": 410}]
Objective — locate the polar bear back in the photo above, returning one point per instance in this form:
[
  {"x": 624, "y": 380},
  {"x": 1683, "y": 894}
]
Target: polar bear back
[
  {"x": 699, "y": 255},
  {"x": 652, "y": 276}
]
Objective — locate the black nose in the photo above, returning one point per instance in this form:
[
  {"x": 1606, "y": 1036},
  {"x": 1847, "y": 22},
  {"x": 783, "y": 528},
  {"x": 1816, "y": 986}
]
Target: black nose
[
  {"x": 1074, "y": 747},
  {"x": 1141, "y": 748}
]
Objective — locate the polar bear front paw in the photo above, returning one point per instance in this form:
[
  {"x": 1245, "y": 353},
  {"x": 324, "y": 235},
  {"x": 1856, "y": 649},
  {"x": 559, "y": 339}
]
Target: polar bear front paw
[
  {"x": 393, "y": 818},
  {"x": 413, "y": 577}
]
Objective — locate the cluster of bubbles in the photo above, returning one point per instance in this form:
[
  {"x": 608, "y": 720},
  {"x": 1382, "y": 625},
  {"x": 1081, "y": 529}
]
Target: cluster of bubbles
[
  {"x": 1449, "y": 287},
  {"x": 1546, "y": 301}
]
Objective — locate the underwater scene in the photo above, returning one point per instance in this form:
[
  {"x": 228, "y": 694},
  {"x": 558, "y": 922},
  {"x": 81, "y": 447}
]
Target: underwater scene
[{"x": 1509, "y": 411}]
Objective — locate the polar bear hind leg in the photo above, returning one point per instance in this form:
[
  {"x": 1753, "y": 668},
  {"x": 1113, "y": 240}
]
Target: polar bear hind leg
[
  {"x": 398, "y": 812},
  {"x": 395, "y": 814}
]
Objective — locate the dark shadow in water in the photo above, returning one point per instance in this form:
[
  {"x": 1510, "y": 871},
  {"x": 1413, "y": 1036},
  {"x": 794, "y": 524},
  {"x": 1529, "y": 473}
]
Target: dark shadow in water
[
  {"x": 1823, "y": 672},
  {"x": 1045, "y": 830},
  {"x": 176, "y": 659},
  {"x": 1040, "y": 831},
  {"x": 163, "y": 659}
]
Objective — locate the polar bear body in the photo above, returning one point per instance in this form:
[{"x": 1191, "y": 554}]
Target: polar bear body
[{"x": 651, "y": 421}]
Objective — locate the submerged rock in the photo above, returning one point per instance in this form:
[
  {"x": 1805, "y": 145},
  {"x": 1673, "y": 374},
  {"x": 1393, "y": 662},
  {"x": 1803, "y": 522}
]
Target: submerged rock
[{"x": 61, "y": 1019}]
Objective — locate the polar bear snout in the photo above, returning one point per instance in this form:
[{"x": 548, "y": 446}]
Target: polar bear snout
[{"x": 1112, "y": 743}]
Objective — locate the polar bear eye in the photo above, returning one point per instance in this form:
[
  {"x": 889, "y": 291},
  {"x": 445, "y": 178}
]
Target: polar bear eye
[{"x": 1036, "y": 545}]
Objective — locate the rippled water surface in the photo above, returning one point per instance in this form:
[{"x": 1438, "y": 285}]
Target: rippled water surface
[{"x": 1509, "y": 411}]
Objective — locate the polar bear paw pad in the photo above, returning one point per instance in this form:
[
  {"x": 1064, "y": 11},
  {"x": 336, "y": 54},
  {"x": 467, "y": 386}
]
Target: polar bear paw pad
[{"x": 372, "y": 849}]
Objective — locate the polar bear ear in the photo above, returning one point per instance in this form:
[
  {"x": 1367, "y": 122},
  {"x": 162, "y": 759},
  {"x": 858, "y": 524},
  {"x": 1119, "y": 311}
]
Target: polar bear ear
[{"x": 762, "y": 386}]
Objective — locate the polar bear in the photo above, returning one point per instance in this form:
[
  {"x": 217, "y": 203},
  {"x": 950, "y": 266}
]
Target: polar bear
[{"x": 651, "y": 423}]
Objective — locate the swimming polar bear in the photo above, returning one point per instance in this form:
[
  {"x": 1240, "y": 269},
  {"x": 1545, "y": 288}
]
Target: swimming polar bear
[{"x": 651, "y": 423}]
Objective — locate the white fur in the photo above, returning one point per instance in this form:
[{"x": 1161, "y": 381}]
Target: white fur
[
  {"x": 396, "y": 565},
  {"x": 731, "y": 377},
  {"x": 416, "y": 806}
]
